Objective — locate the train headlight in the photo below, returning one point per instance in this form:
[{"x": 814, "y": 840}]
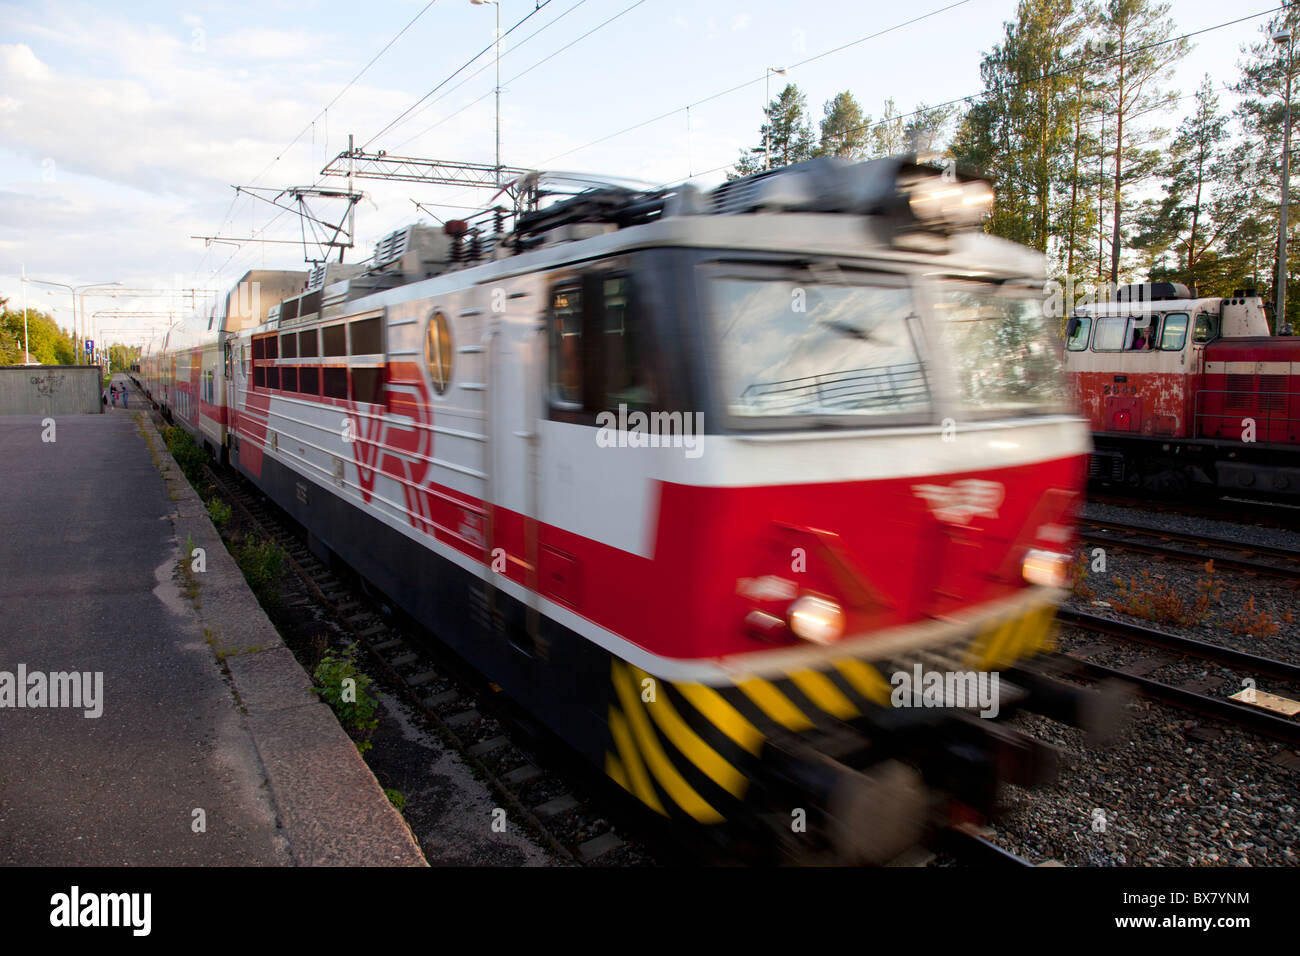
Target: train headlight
[
  {"x": 939, "y": 202},
  {"x": 816, "y": 620},
  {"x": 1046, "y": 568}
]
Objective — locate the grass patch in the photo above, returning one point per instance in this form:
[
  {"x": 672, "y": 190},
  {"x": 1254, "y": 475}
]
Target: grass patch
[
  {"x": 262, "y": 562},
  {"x": 1152, "y": 599},
  {"x": 189, "y": 456},
  {"x": 219, "y": 512},
  {"x": 341, "y": 685}
]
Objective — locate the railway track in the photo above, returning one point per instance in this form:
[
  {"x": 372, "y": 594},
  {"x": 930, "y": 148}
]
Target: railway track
[
  {"x": 1259, "y": 513},
  {"x": 1268, "y": 560},
  {"x": 442, "y": 691},
  {"x": 1189, "y": 696},
  {"x": 971, "y": 848}
]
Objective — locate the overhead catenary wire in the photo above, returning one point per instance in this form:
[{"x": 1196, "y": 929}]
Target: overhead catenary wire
[
  {"x": 406, "y": 112},
  {"x": 732, "y": 89},
  {"x": 411, "y": 111},
  {"x": 324, "y": 111},
  {"x": 479, "y": 72},
  {"x": 760, "y": 79},
  {"x": 522, "y": 73},
  {"x": 974, "y": 96}
]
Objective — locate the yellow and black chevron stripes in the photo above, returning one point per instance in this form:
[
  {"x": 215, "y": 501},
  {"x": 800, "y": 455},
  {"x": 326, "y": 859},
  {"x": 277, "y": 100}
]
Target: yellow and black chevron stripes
[
  {"x": 642, "y": 753},
  {"x": 1002, "y": 643},
  {"x": 691, "y": 748}
]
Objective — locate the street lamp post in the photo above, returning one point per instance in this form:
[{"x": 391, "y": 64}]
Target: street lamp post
[
  {"x": 27, "y": 351},
  {"x": 767, "y": 127},
  {"x": 497, "y": 4},
  {"x": 1284, "y": 36},
  {"x": 75, "y": 290}
]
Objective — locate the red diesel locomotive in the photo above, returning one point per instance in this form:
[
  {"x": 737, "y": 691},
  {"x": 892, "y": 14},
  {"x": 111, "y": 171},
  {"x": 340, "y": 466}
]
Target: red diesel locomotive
[{"x": 1187, "y": 393}]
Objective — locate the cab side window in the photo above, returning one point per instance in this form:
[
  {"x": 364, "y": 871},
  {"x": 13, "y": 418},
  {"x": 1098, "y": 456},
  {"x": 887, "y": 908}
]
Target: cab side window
[
  {"x": 565, "y": 330},
  {"x": 600, "y": 355},
  {"x": 1142, "y": 331},
  {"x": 1080, "y": 326},
  {"x": 1109, "y": 336},
  {"x": 1207, "y": 328},
  {"x": 1174, "y": 335},
  {"x": 627, "y": 375}
]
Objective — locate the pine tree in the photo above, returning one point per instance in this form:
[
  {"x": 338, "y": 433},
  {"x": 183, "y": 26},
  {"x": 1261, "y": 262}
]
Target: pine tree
[
  {"x": 926, "y": 131},
  {"x": 888, "y": 135},
  {"x": 787, "y": 133},
  {"x": 843, "y": 128},
  {"x": 1138, "y": 31},
  {"x": 1177, "y": 232},
  {"x": 1256, "y": 174},
  {"x": 1077, "y": 215},
  {"x": 1019, "y": 131}
]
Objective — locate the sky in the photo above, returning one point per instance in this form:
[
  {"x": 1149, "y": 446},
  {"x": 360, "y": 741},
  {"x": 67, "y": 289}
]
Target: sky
[{"x": 124, "y": 127}]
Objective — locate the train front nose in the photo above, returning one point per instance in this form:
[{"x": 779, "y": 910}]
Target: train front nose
[{"x": 874, "y": 787}]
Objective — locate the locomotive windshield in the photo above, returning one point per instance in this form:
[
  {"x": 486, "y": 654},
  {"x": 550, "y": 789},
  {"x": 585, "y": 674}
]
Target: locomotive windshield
[
  {"x": 838, "y": 347},
  {"x": 1003, "y": 348}
]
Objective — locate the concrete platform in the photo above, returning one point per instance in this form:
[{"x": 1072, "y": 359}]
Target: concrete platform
[{"x": 203, "y": 709}]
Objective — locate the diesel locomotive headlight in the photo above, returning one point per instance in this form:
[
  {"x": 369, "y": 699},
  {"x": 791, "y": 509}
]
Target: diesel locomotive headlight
[
  {"x": 816, "y": 620},
  {"x": 1046, "y": 568}
]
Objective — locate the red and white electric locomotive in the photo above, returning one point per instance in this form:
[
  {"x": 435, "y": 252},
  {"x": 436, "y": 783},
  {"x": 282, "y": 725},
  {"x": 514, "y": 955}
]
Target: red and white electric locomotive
[
  {"x": 1185, "y": 392},
  {"x": 690, "y": 476}
]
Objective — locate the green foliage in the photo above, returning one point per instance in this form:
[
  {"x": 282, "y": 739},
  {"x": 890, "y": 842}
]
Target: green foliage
[
  {"x": 49, "y": 344},
  {"x": 787, "y": 132},
  {"x": 396, "y": 798},
  {"x": 1020, "y": 130},
  {"x": 1177, "y": 233},
  {"x": 121, "y": 357},
  {"x": 219, "y": 512},
  {"x": 262, "y": 562},
  {"x": 341, "y": 685},
  {"x": 843, "y": 128},
  {"x": 186, "y": 451}
]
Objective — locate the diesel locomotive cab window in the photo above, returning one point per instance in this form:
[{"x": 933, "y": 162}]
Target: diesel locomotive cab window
[
  {"x": 1142, "y": 330},
  {"x": 1207, "y": 327},
  {"x": 1110, "y": 334},
  {"x": 1002, "y": 346},
  {"x": 1174, "y": 334},
  {"x": 1078, "y": 340},
  {"x": 795, "y": 345}
]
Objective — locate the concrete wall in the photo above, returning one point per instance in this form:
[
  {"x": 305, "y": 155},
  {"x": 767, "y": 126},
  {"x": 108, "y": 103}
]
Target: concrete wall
[{"x": 51, "y": 389}]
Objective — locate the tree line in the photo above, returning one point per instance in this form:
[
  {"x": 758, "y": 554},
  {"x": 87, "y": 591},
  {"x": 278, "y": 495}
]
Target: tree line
[
  {"x": 49, "y": 344},
  {"x": 1095, "y": 160}
]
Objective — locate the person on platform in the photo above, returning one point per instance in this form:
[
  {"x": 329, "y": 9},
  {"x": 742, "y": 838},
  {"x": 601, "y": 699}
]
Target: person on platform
[{"x": 112, "y": 390}]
